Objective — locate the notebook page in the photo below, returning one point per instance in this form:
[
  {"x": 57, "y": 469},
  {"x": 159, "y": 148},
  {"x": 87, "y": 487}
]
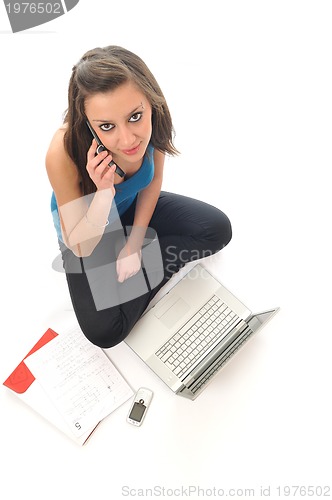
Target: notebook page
[{"x": 80, "y": 380}]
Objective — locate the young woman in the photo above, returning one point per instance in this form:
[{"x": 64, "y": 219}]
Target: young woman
[{"x": 105, "y": 222}]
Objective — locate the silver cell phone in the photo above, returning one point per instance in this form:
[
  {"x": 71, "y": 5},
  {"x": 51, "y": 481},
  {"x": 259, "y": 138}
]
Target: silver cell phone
[
  {"x": 139, "y": 407},
  {"x": 101, "y": 147}
]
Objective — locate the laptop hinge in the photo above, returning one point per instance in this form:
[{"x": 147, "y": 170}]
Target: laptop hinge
[
  {"x": 215, "y": 353},
  {"x": 185, "y": 392},
  {"x": 199, "y": 384}
]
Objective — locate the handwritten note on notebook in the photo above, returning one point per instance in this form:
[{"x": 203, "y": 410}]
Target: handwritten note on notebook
[{"x": 80, "y": 380}]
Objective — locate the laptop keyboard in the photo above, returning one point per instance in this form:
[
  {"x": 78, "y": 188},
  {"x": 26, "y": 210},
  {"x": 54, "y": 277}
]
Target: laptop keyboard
[{"x": 189, "y": 344}]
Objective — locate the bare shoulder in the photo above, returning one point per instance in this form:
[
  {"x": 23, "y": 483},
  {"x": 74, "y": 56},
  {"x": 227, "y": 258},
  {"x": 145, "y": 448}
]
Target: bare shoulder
[
  {"x": 56, "y": 155},
  {"x": 61, "y": 170},
  {"x": 159, "y": 161},
  {"x": 159, "y": 156},
  {"x": 58, "y": 162}
]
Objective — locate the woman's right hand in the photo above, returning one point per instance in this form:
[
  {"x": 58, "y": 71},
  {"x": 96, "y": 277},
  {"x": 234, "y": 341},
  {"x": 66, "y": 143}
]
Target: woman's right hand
[{"x": 99, "y": 171}]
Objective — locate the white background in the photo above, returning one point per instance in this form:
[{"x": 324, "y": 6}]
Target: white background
[{"x": 249, "y": 87}]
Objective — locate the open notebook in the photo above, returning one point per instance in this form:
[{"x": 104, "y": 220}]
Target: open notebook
[{"x": 70, "y": 382}]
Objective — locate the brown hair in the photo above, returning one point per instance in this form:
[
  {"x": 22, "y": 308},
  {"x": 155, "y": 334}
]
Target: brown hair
[{"x": 103, "y": 70}]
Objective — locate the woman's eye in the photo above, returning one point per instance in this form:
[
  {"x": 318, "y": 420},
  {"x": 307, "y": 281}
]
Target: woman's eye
[
  {"x": 136, "y": 117},
  {"x": 106, "y": 126}
]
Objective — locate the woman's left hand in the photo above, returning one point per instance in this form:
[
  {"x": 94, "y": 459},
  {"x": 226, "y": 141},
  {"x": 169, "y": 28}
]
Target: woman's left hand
[{"x": 128, "y": 263}]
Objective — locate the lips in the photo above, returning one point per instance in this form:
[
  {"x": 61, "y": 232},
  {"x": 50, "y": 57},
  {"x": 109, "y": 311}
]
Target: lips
[{"x": 132, "y": 151}]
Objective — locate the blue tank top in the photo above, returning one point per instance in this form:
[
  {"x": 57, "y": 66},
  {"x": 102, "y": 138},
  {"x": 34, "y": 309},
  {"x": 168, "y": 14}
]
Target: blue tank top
[{"x": 125, "y": 192}]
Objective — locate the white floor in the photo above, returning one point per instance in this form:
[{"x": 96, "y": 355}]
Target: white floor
[{"x": 249, "y": 90}]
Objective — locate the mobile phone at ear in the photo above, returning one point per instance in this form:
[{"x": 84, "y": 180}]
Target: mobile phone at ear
[
  {"x": 101, "y": 147},
  {"x": 139, "y": 406}
]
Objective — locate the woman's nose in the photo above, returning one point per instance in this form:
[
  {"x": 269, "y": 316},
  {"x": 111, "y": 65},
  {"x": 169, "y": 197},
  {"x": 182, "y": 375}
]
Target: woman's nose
[{"x": 125, "y": 137}]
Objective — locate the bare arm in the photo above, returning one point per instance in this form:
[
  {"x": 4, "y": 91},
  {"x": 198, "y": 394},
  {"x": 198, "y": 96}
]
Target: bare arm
[{"x": 82, "y": 218}]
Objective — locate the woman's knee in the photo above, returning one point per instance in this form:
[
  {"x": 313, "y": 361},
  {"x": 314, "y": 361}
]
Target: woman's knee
[
  {"x": 219, "y": 232},
  {"x": 225, "y": 230},
  {"x": 105, "y": 332}
]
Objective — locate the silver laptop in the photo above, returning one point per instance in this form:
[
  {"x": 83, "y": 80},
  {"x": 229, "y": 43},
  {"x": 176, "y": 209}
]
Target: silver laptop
[{"x": 193, "y": 331}]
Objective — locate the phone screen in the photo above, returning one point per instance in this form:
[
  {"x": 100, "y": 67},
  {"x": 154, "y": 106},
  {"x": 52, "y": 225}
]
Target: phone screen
[{"x": 137, "y": 412}]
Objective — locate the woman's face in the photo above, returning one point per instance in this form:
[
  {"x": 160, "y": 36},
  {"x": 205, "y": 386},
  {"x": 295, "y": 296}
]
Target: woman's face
[{"x": 122, "y": 121}]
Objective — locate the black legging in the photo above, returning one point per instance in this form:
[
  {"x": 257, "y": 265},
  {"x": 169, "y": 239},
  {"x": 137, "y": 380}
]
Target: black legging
[{"x": 187, "y": 229}]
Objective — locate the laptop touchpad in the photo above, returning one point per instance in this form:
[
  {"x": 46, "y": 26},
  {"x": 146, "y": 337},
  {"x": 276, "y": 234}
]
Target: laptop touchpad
[{"x": 172, "y": 311}]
